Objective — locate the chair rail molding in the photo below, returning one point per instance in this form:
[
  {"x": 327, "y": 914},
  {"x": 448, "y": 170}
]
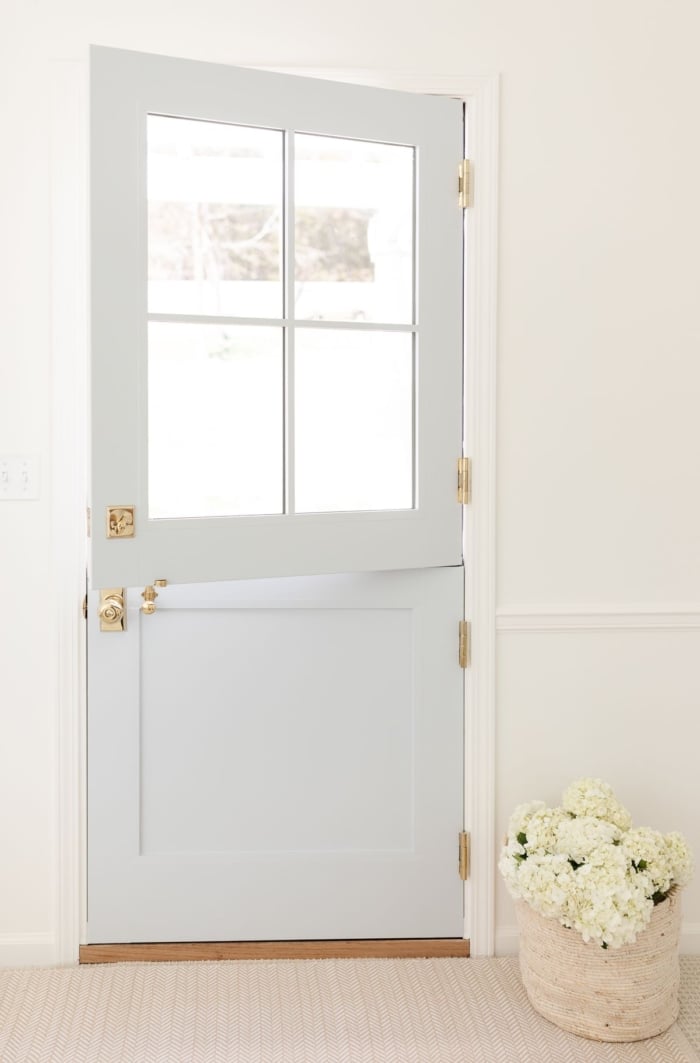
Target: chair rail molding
[
  {"x": 480, "y": 94},
  {"x": 661, "y": 616}
]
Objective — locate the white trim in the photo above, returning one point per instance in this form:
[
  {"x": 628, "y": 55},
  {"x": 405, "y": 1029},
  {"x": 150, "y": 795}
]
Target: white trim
[
  {"x": 658, "y": 617},
  {"x": 27, "y": 950},
  {"x": 507, "y": 940},
  {"x": 460, "y": 86},
  {"x": 482, "y": 104},
  {"x": 69, "y": 283},
  {"x": 690, "y": 939},
  {"x": 68, "y": 132}
]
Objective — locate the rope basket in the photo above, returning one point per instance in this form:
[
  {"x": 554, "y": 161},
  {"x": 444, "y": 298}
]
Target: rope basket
[{"x": 624, "y": 994}]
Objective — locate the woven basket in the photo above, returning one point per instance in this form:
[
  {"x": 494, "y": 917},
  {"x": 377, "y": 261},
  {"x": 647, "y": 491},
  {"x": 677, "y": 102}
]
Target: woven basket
[{"x": 623, "y": 994}]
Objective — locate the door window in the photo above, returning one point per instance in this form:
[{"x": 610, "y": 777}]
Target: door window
[{"x": 276, "y": 323}]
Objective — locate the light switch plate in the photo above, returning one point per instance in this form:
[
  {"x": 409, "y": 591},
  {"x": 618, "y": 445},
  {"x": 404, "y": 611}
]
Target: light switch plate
[{"x": 19, "y": 477}]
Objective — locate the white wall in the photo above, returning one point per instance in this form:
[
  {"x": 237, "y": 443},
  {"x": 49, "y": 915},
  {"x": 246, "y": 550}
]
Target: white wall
[{"x": 599, "y": 380}]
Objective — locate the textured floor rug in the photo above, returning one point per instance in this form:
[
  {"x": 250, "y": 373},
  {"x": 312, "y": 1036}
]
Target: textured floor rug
[{"x": 308, "y": 1011}]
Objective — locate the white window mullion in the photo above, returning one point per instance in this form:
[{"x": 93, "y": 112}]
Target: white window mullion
[{"x": 289, "y": 337}]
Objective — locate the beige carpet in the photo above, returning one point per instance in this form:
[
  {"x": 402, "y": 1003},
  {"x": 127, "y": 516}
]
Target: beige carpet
[{"x": 311, "y": 1011}]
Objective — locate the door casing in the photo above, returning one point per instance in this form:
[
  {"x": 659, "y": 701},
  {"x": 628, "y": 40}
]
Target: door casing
[{"x": 68, "y": 478}]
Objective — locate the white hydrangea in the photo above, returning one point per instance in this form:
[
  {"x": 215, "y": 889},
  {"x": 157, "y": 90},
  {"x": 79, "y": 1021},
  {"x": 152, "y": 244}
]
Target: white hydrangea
[
  {"x": 647, "y": 851},
  {"x": 584, "y": 865},
  {"x": 578, "y": 838},
  {"x": 608, "y": 903},
  {"x": 545, "y": 882},
  {"x": 509, "y": 868},
  {"x": 593, "y": 797},
  {"x": 542, "y": 829},
  {"x": 518, "y": 822},
  {"x": 680, "y": 858}
]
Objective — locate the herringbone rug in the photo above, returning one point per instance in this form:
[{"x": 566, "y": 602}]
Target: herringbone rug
[{"x": 308, "y": 1011}]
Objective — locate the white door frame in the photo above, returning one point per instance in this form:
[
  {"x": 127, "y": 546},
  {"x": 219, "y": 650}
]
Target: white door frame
[{"x": 69, "y": 464}]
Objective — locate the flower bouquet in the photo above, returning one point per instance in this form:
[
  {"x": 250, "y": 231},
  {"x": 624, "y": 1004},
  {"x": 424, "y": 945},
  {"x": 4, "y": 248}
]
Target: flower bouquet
[{"x": 598, "y": 911}]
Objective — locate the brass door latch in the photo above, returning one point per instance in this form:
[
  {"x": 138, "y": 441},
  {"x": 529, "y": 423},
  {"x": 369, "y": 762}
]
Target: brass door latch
[{"x": 149, "y": 595}]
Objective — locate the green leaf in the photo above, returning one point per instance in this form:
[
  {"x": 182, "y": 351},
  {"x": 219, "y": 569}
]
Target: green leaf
[{"x": 522, "y": 838}]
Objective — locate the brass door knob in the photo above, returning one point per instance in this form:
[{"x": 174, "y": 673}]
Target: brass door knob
[{"x": 111, "y": 610}]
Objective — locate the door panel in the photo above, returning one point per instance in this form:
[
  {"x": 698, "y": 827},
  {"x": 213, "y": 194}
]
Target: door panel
[
  {"x": 276, "y": 333},
  {"x": 276, "y": 323},
  {"x": 278, "y": 759}
]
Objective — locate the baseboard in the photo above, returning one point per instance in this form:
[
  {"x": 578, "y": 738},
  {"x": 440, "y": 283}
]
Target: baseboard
[
  {"x": 27, "y": 950},
  {"x": 507, "y": 940},
  {"x": 690, "y": 939}
]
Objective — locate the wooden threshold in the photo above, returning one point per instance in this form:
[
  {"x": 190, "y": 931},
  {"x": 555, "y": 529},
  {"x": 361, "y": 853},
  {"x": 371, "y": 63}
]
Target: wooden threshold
[{"x": 156, "y": 952}]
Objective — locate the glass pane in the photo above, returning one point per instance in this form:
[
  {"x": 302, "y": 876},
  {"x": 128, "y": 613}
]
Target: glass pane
[
  {"x": 353, "y": 420},
  {"x": 215, "y": 404},
  {"x": 353, "y": 230},
  {"x": 214, "y": 218}
]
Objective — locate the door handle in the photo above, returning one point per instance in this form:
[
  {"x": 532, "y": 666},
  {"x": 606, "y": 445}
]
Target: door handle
[{"x": 112, "y": 609}]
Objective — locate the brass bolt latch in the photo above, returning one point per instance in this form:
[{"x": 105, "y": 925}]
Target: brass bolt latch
[{"x": 149, "y": 595}]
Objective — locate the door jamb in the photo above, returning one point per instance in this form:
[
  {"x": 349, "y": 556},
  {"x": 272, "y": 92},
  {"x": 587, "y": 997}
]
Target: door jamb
[{"x": 69, "y": 467}]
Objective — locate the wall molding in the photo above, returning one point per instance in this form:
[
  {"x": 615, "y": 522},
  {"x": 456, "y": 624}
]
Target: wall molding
[
  {"x": 663, "y": 616},
  {"x": 507, "y": 940},
  {"x": 69, "y": 346},
  {"x": 690, "y": 939},
  {"x": 27, "y": 950},
  {"x": 482, "y": 111}
]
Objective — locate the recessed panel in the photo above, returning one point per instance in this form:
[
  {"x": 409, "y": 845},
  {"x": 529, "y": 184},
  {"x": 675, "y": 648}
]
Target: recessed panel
[
  {"x": 354, "y": 226},
  {"x": 215, "y": 420},
  {"x": 258, "y": 734},
  {"x": 214, "y": 218},
  {"x": 353, "y": 420}
]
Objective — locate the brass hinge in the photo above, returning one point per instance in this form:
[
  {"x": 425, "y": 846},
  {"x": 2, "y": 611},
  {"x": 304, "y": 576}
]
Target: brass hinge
[
  {"x": 465, "y": 184},
  {"x": 465, "y": 631},
  {"x": 463, "y": 855},
  {"x": 85, "y": 607},
  {"x": 464, "y": 481}
]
